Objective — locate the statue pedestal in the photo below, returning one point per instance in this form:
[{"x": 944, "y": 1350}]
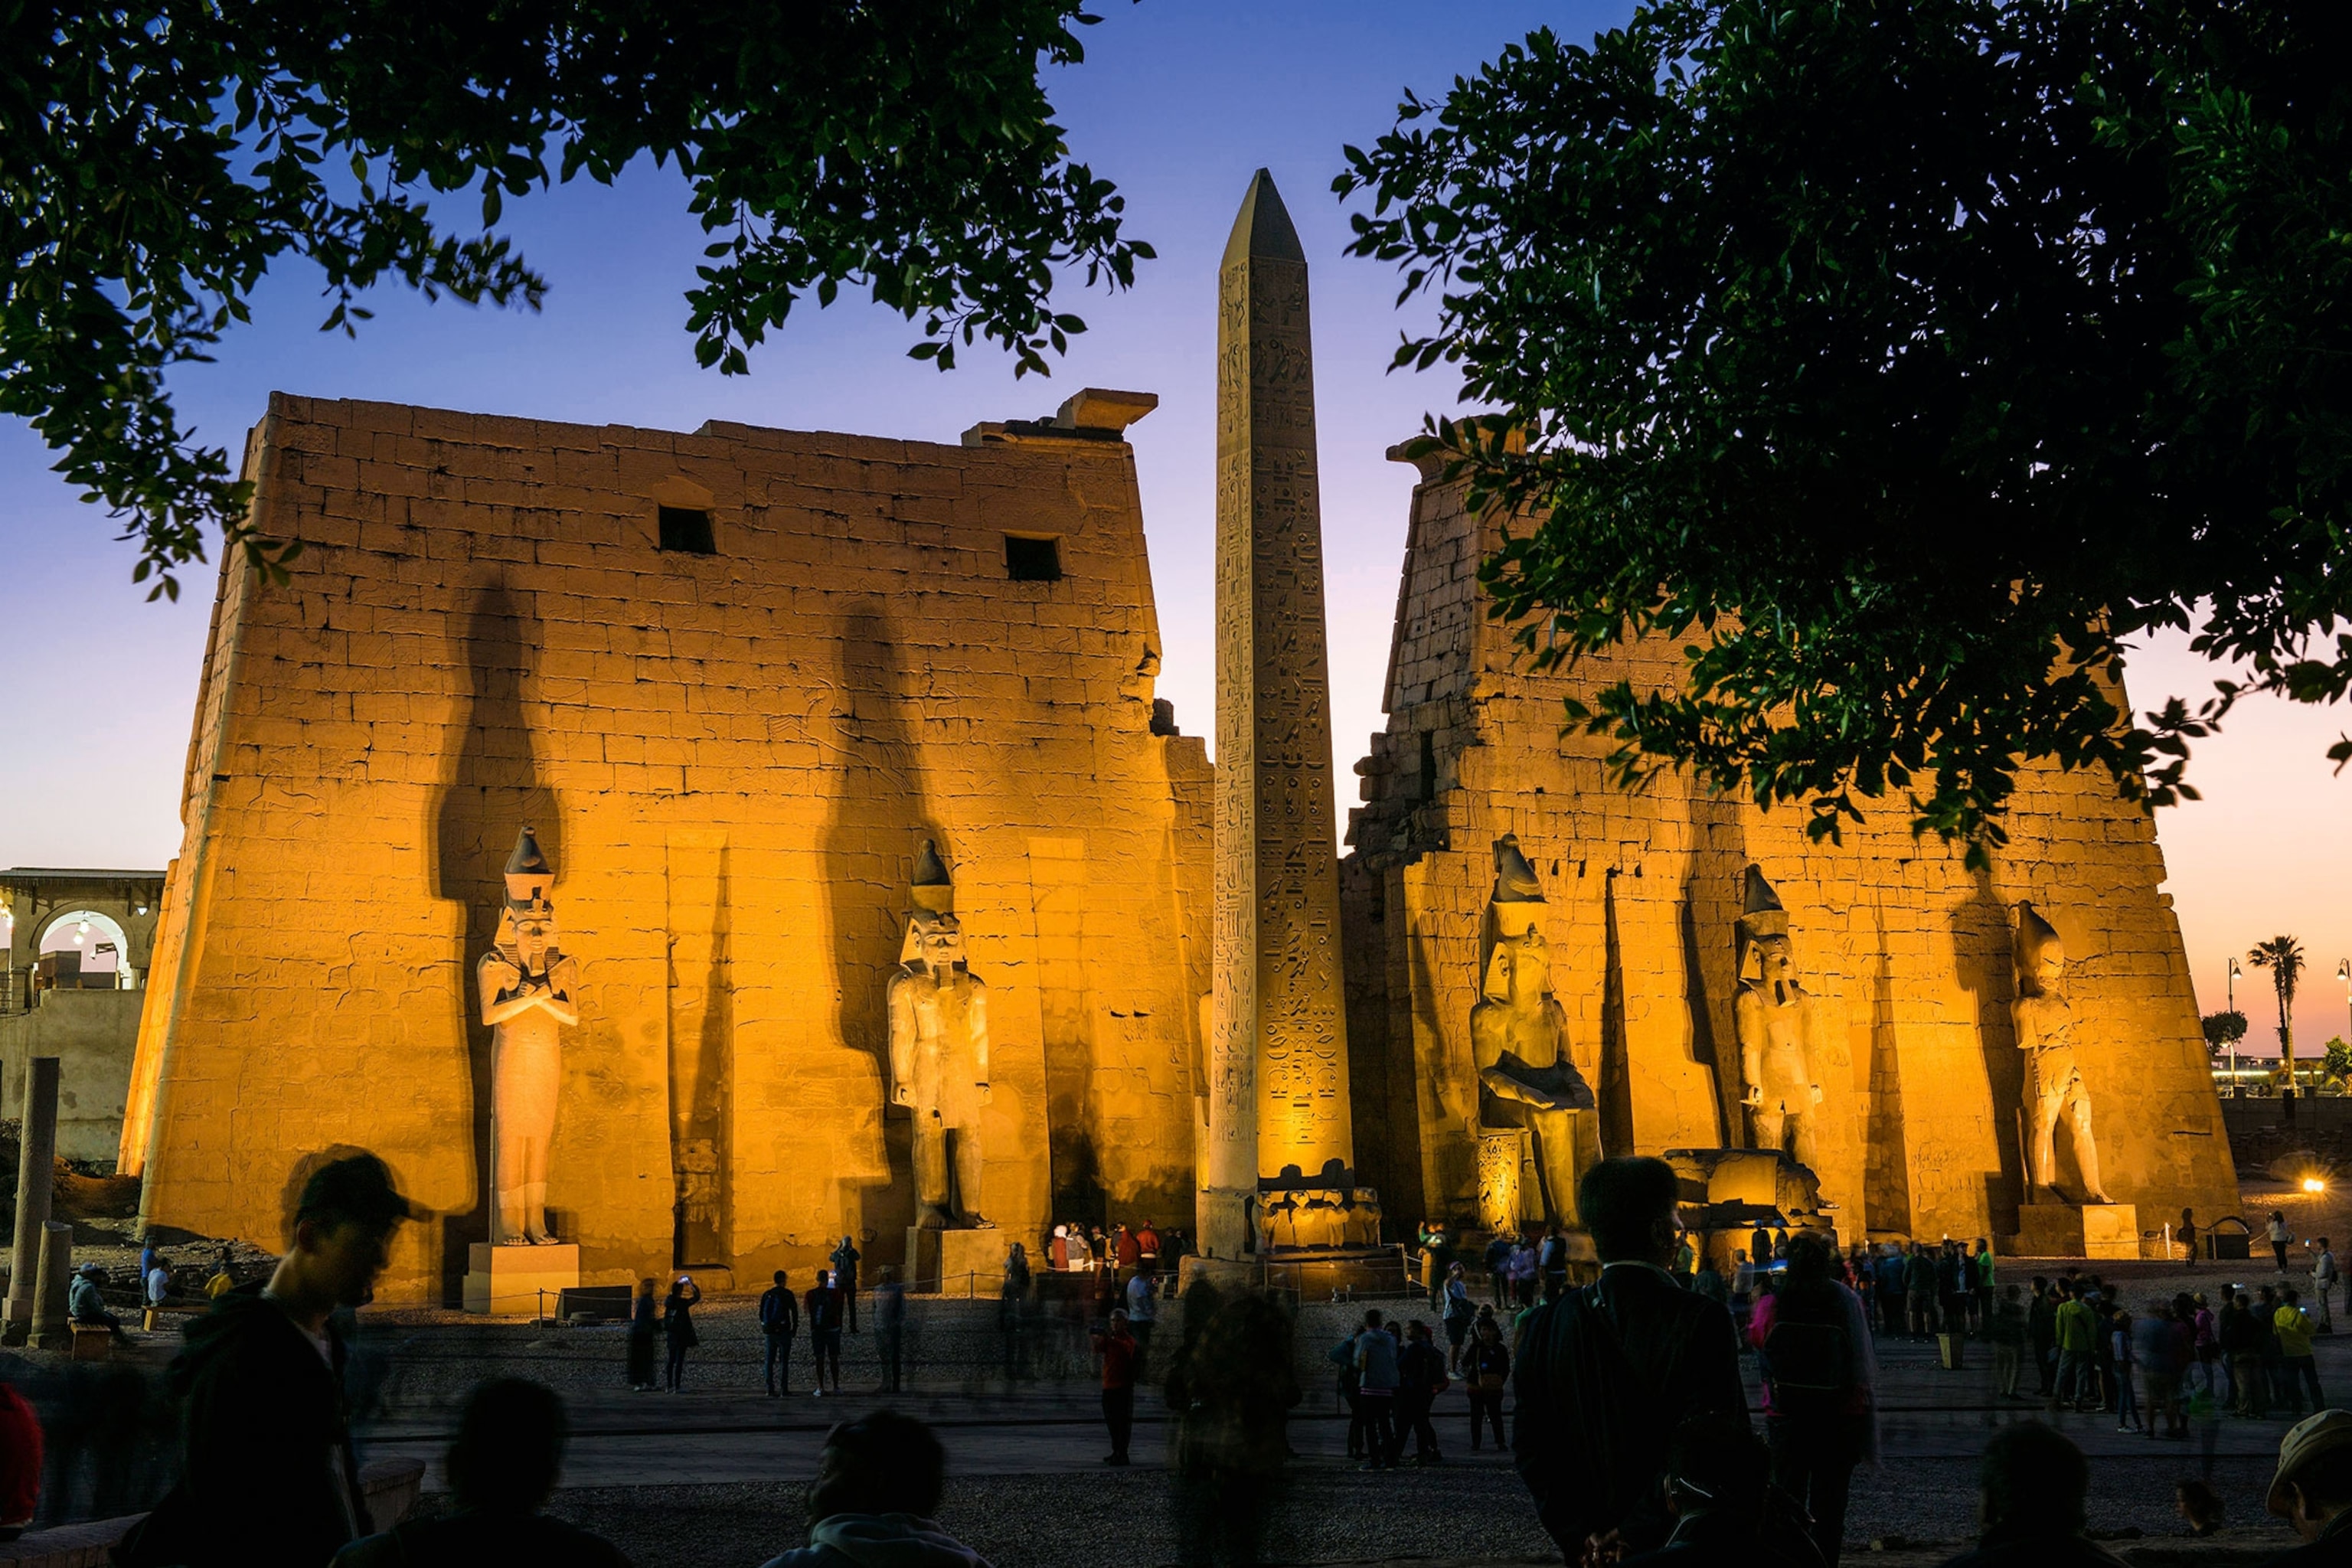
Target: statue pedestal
[
  {"x": 508, "y": 1280},
  {"x": 955, "y": 1262},
  {"x": 2078, "y": 1230}
]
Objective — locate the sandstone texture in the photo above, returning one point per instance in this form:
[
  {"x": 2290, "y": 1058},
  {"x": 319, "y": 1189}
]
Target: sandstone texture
[
  {"x": 1907, "y": 954},
  {"x": 733, "y": 759}
]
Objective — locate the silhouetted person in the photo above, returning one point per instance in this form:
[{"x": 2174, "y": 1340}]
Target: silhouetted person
[
  {"x": 2033, "y": 1484},
  {"x": 502, "y": 1469},
  {"x": 845, "y": 1279},
  {"x": 1609, "y": 1372},
  {"x": 1812, "y": 1339},
  {"x": 645, "y": 1323},
  {"x": 780, "y": 1321},
  {"x": 890, "y": 1328},
  {"x": 877, "y": 1485},
  {"x": 823, "y": 1303},
  {"x": 267, "y": 1475},
  {"x": 679, "y": 1330},
  {"x": 2312, "y": 1490},
  {"x": 1231, "y": 1388},
  {"x": 1115, "y": 1343}
]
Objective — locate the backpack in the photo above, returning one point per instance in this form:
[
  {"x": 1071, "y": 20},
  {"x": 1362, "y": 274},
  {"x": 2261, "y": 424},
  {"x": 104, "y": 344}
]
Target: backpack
[{"x": 1806, "y": 1357}]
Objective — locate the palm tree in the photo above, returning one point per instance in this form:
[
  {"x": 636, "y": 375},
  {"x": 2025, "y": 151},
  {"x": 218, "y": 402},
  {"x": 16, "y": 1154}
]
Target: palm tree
[{"x": 2282, "y": 956}]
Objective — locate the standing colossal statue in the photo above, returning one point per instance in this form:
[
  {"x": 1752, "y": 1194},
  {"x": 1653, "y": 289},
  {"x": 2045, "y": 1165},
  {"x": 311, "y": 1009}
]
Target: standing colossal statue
[
  {"x": 938, "y": 1054},
  {"x": 530, "y": 995},
  {"x": 1774, "y": 1017},
  {"x": 2045, "y": 1033}
]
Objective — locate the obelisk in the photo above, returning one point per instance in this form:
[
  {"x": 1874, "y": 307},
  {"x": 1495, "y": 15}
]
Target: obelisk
[{"x": 1278, "y": 1112}]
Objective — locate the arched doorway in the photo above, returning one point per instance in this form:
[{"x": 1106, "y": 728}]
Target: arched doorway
[{"x": 101, "y": 945}]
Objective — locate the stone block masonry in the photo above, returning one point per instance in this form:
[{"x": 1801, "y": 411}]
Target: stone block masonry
[
  {"x": 732, "y": 749},
  {"x": 1906, "y": 953}
]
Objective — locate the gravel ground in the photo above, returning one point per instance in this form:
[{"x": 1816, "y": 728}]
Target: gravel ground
[{"x": 1331, "y": 1516}]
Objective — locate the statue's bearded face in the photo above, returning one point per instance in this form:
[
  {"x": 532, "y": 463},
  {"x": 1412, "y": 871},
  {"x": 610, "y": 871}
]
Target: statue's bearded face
[
  {"x": 942, "y": 943},
  {"x": 535, "y": 936},
  {"x": 2049, "y": 965},
  {"x": 1776, "y": 960},
  {"x": 1520, "y": 966}
]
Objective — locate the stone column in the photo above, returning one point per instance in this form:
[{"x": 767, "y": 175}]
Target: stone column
[
  {"x": 52, "y": 1321},
  {"x": 1279, "y": 1107},
  {"x": 35, "y": 1168}
]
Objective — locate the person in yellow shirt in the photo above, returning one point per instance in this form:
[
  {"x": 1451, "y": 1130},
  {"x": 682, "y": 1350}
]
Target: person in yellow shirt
[
  {"x": 2299, "y": 1369},
  {"x": 220, "y": 1284}
]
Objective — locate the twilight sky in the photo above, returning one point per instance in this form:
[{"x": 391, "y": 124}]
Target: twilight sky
[{"x": 1178, "y": 102}]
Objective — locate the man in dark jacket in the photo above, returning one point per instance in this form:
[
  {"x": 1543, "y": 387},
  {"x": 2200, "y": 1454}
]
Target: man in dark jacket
[
  {"x": 1606, "y": 1374},
  {"x": 267, "y": 1477},
  {"x": 780, "y": 1321},
  {"x": 1421, "y": 1372}
]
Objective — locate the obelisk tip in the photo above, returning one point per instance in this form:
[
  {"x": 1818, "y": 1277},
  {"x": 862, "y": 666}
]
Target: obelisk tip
[{"x": 1263, "y": 230}]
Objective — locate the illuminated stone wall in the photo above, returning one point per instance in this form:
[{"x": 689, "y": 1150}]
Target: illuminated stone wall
[
  {"x": 1908, "y": 954},
  {"x": 732, "y": 760}
]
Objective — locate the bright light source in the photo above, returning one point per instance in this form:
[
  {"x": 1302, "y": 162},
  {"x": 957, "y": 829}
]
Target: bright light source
[
  {"x": 78, "y": 939},
  {"x": 2314, "y": 1185},
  {"x": 83, "y": 928}
]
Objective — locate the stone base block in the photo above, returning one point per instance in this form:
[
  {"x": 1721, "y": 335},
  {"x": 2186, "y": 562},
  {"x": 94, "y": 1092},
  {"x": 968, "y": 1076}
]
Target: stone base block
[
  {"x": 955, "y": 1262},
  {"x": 509, "y": 1280},
  {"x": 2078, "y": 1230},
  {"x": 1314, "y": 1276}
]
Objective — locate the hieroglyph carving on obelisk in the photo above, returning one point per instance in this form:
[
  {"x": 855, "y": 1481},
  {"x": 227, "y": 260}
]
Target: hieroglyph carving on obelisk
[{"x": 1278, "y": 1112}]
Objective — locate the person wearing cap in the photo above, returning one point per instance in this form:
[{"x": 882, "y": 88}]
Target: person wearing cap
[
  {"x": 267, "y": 1477},
  {"x": 85, "y": 1306},
  {"x": 2313, "y": 1489}
]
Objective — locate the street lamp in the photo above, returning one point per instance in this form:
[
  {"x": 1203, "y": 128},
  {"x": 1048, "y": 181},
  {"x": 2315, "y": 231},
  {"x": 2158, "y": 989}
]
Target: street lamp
[
  {"x": 2235, "y": 972},
  {"x": 2344, "y": 973}
]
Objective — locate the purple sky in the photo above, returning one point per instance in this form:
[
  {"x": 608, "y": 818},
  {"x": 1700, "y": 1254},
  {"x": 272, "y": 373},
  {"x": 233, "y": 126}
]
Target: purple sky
[{"x": 1178, "y": 102}]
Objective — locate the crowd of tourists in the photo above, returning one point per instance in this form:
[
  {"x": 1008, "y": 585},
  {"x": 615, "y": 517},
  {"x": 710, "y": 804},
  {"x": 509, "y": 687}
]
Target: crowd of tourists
[{"x": 1632, "y": 1428}]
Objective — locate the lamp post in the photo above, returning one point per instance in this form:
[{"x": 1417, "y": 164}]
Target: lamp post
[
  {"x": 2235, "y": 972},
  {"x": 2344, "y": 973}
]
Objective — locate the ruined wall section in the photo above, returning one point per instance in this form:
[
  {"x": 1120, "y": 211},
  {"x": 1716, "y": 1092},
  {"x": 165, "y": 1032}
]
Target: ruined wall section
[
  {"x": 1907, "y": 953},
  {"x": 732, "y": 760}
]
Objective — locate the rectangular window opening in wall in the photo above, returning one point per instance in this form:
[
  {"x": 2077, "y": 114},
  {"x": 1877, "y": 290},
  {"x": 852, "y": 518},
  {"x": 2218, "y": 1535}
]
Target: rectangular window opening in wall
[
  {"x": 685, "y": 530},
  {"x": 1033, "y": 560}
]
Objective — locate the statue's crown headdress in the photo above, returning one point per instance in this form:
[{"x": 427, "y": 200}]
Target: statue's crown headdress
[
  {"x": 2037, "y": 939},
  {"x": 1761, "y": 914},
  {"x": 531, "y": 881},
  {"x": 933, "y": 895},
  {"x": 1515, "y": 878}
]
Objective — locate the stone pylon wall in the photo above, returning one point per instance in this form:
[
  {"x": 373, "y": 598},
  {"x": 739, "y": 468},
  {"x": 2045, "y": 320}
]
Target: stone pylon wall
[
  {"x": 732, "y": 760},
  {"x": 1906, "y": 953}
]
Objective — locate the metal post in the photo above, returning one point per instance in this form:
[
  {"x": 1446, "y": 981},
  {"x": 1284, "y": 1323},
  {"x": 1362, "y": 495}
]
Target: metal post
[{"x": 2232, "y": 1005}]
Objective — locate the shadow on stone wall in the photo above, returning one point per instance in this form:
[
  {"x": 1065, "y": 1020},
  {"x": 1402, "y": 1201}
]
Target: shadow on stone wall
[
  {"x": 492, "y": 788},
  {"x": 876, "y": 823},
  {"x": 1981, "y": 944}
]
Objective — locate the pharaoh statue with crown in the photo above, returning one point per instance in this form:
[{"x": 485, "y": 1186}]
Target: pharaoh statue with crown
[
  {"x": 1773, "y": 1016},
  {"x": 938, "y": 1053},
  {"x": 529, "y": 994},
  {"x": 2045, "y": 1033},
  {"x": 1529, "y": 1089}
]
